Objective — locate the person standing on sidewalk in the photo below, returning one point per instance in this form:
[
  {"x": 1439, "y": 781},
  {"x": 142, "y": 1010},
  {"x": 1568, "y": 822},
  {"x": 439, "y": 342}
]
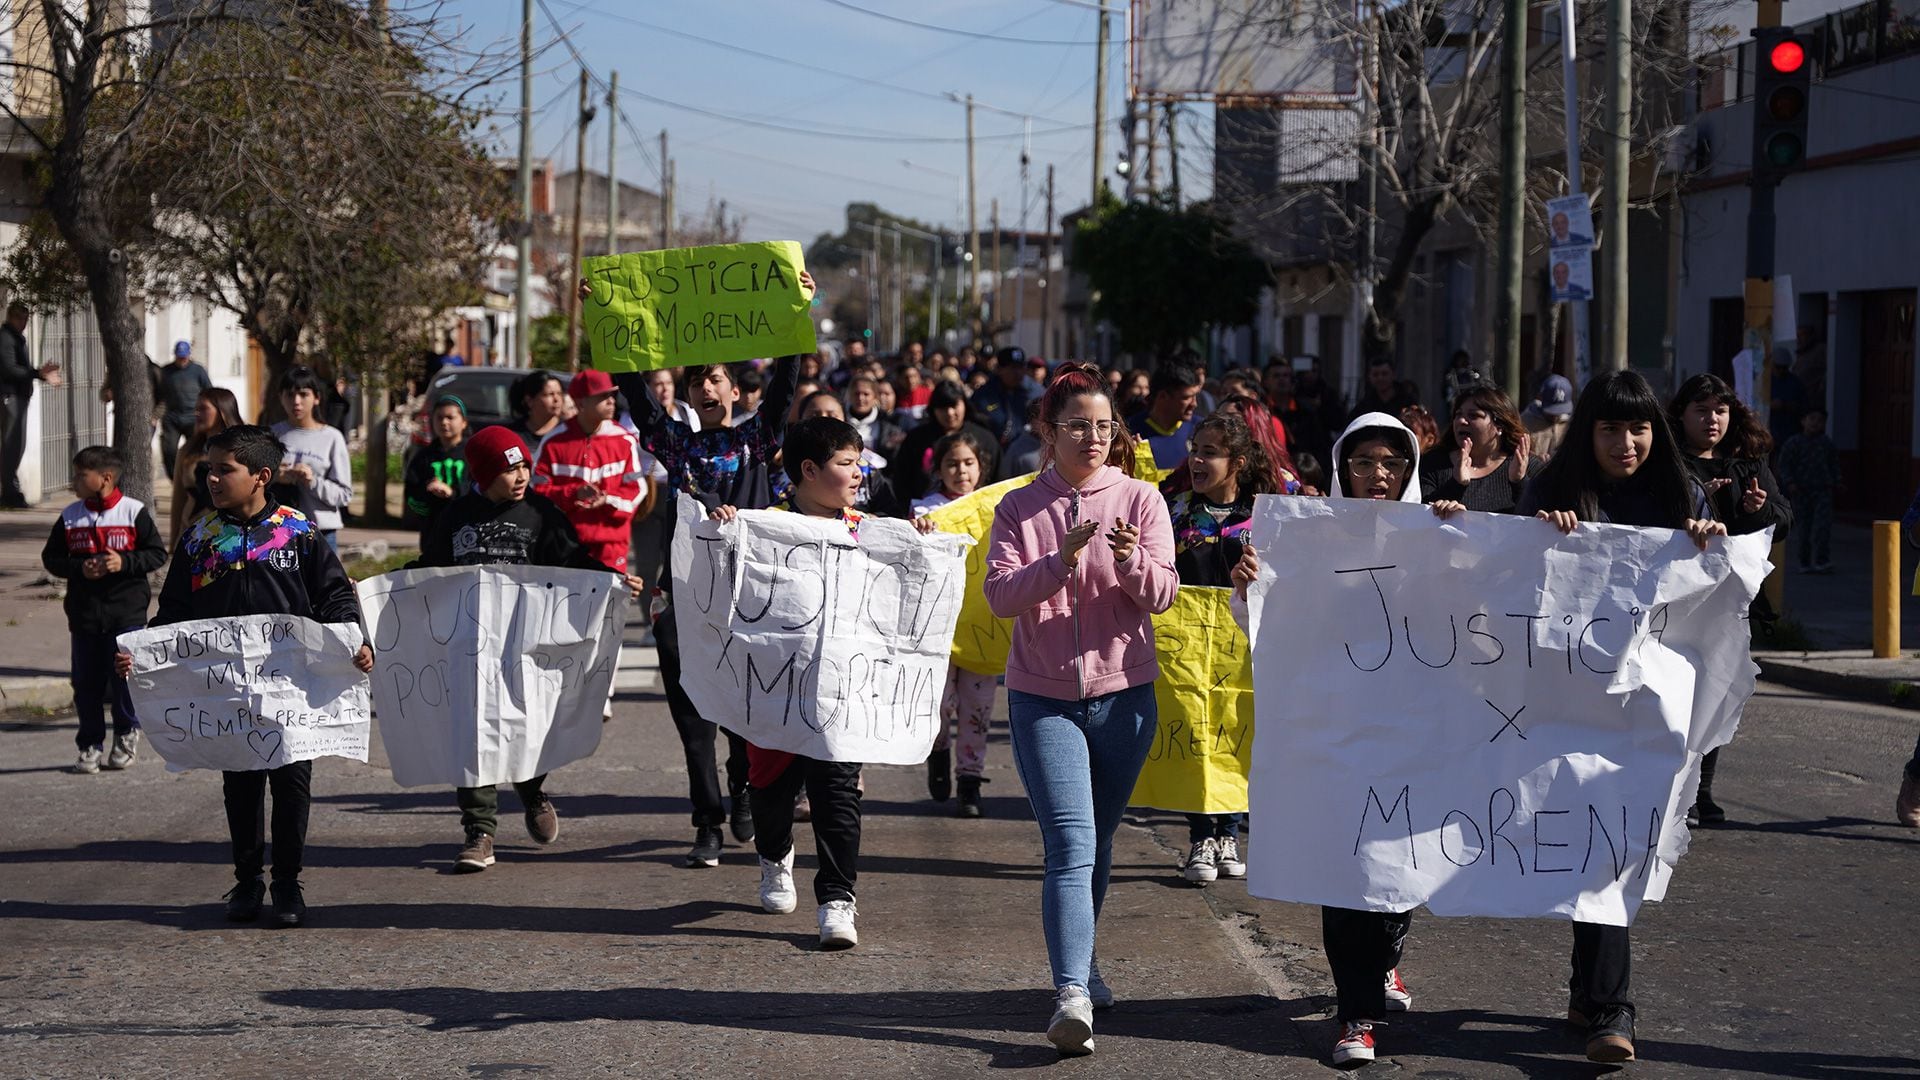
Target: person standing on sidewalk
[
  {"x": 1081, "y": 669},
  {"x": 105, "y": 545},
  {"x": 17, "y": 376},
  {"x": 252, "y": 556},
  {"x": 180, "y": 385},
  {"x": 1810, "y": 464},
  {"x": 318, "y": 473},
  {"x": 1726, "y": 448},
  {"x": 497, "y": 519}
]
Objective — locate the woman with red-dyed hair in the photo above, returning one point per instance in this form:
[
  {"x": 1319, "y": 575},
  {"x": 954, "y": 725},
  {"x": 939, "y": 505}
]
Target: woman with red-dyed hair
[{"x": 1081, "y": 670}]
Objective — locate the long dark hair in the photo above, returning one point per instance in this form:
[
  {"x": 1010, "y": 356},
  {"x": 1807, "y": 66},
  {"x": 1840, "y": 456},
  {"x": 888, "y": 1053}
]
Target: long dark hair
[
  {"x": 946, "y": 443},
  {"x": 529, "y": 385},
  {"x": 226, "y": 410},
  {"x": 1498, "y": 406},
  {"x": 1080, "y": 380},
  {"x": 1746, "y": 437},
  {"x": 1573, "y": 480}
]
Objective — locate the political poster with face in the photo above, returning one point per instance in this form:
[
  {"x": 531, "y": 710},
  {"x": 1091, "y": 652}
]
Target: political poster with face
[
  {"x": 249, "y": 692},
  {"x": 1481, "y": 714},
  {"x": 798, "y": 636}
]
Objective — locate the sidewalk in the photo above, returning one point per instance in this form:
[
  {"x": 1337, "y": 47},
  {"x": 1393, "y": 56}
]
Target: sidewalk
[{"x": 1835, "y": 612}]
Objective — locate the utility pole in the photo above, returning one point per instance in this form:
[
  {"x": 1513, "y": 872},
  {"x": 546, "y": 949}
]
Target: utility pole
[
  {"x": 1020, "y": 242},
  {"x": 899, "y": 295},
  {"x": 523, "y": 275},
  {"x": 1570, "y": 96},
  {"x": 1099, "y": 106},
  {"x": 1513, "y": 193},
  {"x": 1153, "y": 152},
  {"x": 1046, "y": 268},
  {"x": 579, "y": 222},
  {"x": 613, "y": 174},
  {"x": 973, "y": 220},
  {"x": 1173, "y": 151},
  {"x": 1613, "y": 254},
  {"x": 997, "y": 279},
  {"x": 666, "y": 193}
]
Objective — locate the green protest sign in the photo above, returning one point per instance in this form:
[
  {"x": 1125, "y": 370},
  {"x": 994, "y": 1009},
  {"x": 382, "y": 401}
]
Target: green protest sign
[{"x": 699, "y": 305}]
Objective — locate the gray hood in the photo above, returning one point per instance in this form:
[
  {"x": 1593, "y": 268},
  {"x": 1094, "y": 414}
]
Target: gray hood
[{"x": 1411, "y": 492}]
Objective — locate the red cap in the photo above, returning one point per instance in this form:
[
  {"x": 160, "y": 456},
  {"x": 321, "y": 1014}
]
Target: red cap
[
  {"x": 590, "y": 383},
  {"x": 493, "y": 451}
]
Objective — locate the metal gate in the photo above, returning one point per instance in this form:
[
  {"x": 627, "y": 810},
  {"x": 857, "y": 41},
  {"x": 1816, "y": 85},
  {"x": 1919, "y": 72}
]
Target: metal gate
[{"x": 71, "y": 414}]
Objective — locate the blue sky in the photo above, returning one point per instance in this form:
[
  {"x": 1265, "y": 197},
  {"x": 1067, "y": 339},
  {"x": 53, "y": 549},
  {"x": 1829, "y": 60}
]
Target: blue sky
[{"x": 908, "y": 69}]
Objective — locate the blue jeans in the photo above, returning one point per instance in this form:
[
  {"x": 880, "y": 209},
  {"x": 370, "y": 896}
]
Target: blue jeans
[{"x": 1079, "y": 761}]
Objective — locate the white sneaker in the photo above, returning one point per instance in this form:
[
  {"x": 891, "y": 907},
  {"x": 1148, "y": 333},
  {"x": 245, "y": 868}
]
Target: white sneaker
[
  {"x": 836, "y": 924},
  {"x": 1203, "y": 862},
  {"x": 1228, "y": 857},
  {"x": 89, "y": 762},
  {"x": 1355, "y": 1042},
  {"x": 776, "y": 885},
  {"x": 1071, "y": 1029},
  {"x": 125, "y": 749},
  {"x": 1098, "y": 991},
  {"x": 1399, "y": 998}
]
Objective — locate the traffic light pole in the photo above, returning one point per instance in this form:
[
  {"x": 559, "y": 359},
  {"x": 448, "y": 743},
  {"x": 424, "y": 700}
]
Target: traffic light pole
[{"x": 1760, "y": 227}]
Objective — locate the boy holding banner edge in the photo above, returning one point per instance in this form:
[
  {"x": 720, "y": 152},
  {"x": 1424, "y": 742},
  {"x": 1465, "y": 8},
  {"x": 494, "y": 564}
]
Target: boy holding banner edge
[
  {"x": 498, "y": 520},
  {"x": 252, "y": 556},
  {"x": 822, "y": 458}
]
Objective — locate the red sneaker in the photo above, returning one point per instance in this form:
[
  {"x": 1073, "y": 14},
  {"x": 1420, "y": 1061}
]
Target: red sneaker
[
  {"x": 1399, "y": 998},
  {"x": 1355, "y": 1044}
]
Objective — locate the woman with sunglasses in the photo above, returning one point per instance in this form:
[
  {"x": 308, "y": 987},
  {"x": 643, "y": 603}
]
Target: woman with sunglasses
[{"x": 1081, "y": 670}]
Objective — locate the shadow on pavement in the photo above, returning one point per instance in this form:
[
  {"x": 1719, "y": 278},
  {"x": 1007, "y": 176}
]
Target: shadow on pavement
[
  {"x": 1887, "y": 833},
  {"x": 1003, "y": 1024},
  {"x": 1547, "y": 1048},
  {"x": 675, "y": 920}
]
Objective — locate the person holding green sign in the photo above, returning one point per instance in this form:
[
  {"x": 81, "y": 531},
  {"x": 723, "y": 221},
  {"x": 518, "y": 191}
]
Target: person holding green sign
[{"x": 723, "y": 463}]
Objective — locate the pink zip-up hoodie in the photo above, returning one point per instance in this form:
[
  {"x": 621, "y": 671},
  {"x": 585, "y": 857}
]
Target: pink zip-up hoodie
[{"x": 1085, "y": 632}]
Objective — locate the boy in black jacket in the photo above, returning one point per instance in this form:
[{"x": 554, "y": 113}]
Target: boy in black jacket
[
  {"x": 251, "y": 556},
  {"x": 499, "y": 520},
  {"x": 105, "y": 545}
]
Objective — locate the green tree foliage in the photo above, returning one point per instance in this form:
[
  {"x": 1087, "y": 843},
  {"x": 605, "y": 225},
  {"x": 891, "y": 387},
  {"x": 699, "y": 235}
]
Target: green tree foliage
[{"x": 1162, "y": 275}]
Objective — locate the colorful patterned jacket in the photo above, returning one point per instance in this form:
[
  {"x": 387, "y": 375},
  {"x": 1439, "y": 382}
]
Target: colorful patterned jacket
[{"x": 275, "y": 561}]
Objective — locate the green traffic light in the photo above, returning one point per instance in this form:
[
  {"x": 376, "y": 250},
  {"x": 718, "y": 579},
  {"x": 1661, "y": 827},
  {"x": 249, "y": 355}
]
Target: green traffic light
[{"x": 1785, "y": 149}]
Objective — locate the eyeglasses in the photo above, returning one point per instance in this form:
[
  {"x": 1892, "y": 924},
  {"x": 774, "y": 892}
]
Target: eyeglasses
[
  {"x": 1087, "y": 430},
  {"x": 1392, "y": 466}
]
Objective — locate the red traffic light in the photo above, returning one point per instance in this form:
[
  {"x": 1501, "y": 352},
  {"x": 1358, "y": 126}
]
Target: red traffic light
[{"x": 1786, "y": 57}]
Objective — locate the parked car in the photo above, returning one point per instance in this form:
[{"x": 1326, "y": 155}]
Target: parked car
[{"x": 487, "y": 393}]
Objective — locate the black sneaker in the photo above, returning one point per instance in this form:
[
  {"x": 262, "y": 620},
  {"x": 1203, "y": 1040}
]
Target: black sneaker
[
  {"x": 1706, "y": 811},
  {"x": 289, "y": 907},
  {"x": 970, "y": 796},
  {"x": 707, "y": 844},
  {"x": 244, "y": 899},
  {"x": 940, "y": 775},
  {"x": 1610, "y": 1037},
  {"x": 741, "y": 820}
]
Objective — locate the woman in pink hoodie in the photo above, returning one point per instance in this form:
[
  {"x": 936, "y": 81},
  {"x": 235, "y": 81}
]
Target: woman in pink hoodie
[{"x": 1080, "y": 674}]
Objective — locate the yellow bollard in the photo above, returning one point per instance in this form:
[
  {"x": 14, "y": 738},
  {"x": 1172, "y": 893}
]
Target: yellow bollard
[{"x": 1886, "y": 590}]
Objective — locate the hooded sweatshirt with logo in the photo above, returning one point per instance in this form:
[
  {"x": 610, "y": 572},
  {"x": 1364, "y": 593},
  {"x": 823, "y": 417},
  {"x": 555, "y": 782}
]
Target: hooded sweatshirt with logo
[
  {"x": 273, "y": 562},
  {"x": 1082, "y": 632}
]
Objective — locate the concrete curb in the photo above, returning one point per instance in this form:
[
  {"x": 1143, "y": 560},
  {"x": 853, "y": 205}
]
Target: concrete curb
[
  {"x": 1806, "y": 672},
  {"x": 20, "y": 696}
]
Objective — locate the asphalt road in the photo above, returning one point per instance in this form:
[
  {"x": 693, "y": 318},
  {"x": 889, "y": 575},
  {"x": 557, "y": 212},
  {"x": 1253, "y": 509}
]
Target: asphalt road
[{"x": 1786, "y": 947}]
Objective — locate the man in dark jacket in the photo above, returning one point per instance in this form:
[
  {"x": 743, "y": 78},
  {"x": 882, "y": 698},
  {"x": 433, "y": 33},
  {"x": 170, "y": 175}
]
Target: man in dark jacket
[
  {"x": 180, "y": 386},
  {"x": 17, "y": 376}
]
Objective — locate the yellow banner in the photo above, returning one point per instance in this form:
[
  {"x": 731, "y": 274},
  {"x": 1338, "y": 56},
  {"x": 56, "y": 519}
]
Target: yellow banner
[
  {"x": 1200, "y": 755},
  {"x": 980, "y": 641}
]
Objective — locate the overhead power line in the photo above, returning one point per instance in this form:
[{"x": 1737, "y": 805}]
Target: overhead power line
[{"x": 861, "y": 135}]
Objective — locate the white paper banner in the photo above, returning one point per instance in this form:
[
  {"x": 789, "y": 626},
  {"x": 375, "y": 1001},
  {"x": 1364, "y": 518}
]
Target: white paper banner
[
  {"x": 798, "y": 638},
  {"x": 249, "y": 692},
  {"x": 491, "y": 674},
  {"x": 1483, "y": 715}
]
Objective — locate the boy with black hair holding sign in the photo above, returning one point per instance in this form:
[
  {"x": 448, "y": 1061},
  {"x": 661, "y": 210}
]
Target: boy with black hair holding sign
[
  {"x": 501, "y": 520},
  {"x": 723, "y": 462},
  {"x": 104, "y": 545},
  {"x": 822, "y": 458},
  {"x": 251, "y": 556}
]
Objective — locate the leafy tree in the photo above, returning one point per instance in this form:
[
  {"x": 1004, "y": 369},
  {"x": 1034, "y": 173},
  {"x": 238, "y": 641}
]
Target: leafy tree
[{"x": 1162, "y": 275}]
